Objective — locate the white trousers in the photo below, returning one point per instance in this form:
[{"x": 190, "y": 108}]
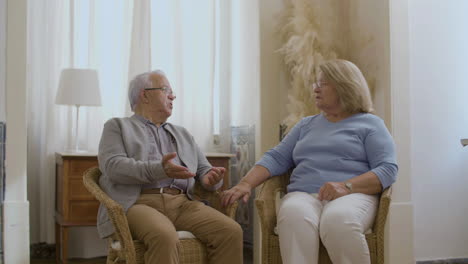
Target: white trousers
[{"x": 340, "y": 224}]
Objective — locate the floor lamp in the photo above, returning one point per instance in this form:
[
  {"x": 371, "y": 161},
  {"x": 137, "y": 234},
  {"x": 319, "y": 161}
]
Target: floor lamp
[{"x": 78, "y": 87}]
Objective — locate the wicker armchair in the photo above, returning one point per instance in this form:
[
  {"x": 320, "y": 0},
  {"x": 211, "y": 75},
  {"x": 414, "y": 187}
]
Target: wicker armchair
[
  {"x": 123, "y": 249},
  {"x": 265, "y": 202}
]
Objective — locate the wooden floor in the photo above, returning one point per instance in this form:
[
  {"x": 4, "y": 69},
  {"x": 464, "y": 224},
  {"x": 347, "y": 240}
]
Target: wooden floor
[
  {"x": 101, "y": 260},
  {"x": 248, "y": 257}
]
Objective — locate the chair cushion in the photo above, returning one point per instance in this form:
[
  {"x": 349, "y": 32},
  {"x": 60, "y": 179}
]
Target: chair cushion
[
  {"x": 185, "y": 235},
  {"x": 115, "y": 245},
  {"x": 191, "y": 251}
]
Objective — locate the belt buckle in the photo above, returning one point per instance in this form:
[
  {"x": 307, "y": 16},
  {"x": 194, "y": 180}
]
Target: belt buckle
[{"x": 161, "y": 190}]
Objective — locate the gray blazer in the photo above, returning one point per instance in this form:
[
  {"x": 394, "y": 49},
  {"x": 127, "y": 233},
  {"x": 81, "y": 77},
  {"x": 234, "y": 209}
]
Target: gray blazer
[{"x": 123, "y": 161}]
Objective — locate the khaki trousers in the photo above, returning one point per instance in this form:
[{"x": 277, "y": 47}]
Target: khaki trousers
[{"x": 154, "y": 219}]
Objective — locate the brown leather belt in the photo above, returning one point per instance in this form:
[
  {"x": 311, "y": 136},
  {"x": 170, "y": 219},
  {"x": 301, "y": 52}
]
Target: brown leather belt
[{"x": 173, "y": 191}]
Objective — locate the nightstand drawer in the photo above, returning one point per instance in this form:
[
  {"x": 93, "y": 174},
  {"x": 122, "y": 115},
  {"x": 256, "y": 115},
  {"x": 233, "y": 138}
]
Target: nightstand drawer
[
  {"x": 78, "y": 191},
  {"x": 83, "y": 211},
  {"x": 79, "y": 166}
]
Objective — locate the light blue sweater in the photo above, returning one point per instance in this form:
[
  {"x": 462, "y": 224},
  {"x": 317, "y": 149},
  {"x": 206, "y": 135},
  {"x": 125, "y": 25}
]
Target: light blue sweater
[{"x": 321, "y": 151}]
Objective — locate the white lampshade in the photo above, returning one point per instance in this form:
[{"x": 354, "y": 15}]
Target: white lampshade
[{"x": 78, "y": 87}]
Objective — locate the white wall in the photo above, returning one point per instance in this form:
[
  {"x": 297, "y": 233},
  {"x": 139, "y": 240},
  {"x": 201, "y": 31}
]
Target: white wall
[
  {"x": 439, "y": 109},
  {"x": 399, "y": 228},
  {"x": 2, "y": 58},
  {"x": 84, "y": 242}
]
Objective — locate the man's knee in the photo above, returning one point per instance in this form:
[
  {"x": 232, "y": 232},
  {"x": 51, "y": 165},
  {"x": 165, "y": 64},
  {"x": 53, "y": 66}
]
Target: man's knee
[
  {"x": 228, "y": 232},
  {"x": 233, "y": 230},
  {"x": 166, "y": 237}
]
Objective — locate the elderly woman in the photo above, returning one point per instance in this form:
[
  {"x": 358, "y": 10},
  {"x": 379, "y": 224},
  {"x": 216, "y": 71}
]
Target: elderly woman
[{"x": 342, "y": 158}]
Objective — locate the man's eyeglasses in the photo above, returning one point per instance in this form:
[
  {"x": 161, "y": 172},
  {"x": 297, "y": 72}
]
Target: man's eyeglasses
[{"x": 166, "y": 90}]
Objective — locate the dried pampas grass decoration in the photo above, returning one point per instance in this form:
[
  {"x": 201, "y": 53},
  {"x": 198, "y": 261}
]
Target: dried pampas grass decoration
[{"x": 303, "y": 52}]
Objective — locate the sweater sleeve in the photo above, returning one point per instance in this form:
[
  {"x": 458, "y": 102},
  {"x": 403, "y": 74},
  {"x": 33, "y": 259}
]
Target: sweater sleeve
[
  {"x": 380, "y": 150},
  {"x": 279, "y": 159},
  {"x": 115, "y": 163}
]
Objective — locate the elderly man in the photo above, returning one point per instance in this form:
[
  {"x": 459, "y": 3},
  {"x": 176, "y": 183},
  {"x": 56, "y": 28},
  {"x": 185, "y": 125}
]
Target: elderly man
[{"x": 150, "y": 166}]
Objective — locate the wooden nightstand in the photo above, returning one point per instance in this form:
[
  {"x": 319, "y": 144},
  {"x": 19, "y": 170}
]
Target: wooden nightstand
[{"x": 75, "y": 206}]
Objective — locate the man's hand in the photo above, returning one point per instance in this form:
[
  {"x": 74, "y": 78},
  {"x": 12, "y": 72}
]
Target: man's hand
[
  {"x": 213, "y": 176},
  {"x": 175, "y": 171},
  {"x": 241, "y": 191},
  {"x": 332, "y": 190}
]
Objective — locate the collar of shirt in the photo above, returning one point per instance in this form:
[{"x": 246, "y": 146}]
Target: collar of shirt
[{"x": 146, "y": 121}]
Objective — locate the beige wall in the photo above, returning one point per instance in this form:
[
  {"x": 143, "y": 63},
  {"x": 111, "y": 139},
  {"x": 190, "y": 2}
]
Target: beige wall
[
  {"x": 273, "y": 76},
  {"x": 368, "y": 39}
]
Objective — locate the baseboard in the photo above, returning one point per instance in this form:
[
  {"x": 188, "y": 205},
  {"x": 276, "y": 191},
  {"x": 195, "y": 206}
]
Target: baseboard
[
  {"x": 444, "y": 261},
  {"x": 16, "y": 231}
]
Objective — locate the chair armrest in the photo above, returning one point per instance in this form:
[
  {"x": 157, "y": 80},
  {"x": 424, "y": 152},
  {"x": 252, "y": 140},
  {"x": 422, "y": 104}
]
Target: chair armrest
[
  {"x": 90, "y": 181},
  {"x": 214, "y": 200},
  {"x": 265, "y": 201},
  {"x": 382, "y": 212},
  {"x": 232, "y": 209},
  {"x": 114, "y": 210}
]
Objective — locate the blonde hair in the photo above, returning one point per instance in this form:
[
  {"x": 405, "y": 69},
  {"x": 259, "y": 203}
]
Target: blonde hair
[{"x": 350, "y": 85}]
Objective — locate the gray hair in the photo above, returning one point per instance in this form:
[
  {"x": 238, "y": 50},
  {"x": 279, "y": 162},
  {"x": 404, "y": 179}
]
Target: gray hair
[{"x": 138, "y": 83}]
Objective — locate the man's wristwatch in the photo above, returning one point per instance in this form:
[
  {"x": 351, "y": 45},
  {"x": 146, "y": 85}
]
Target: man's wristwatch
[{"x": 349, "y": 186}]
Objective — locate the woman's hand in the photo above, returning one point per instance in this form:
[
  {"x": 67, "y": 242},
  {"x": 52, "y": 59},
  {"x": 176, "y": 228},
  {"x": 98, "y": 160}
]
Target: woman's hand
[
  {"x": 241, "y": 191},
  {"x": 332, "y": 190}
]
